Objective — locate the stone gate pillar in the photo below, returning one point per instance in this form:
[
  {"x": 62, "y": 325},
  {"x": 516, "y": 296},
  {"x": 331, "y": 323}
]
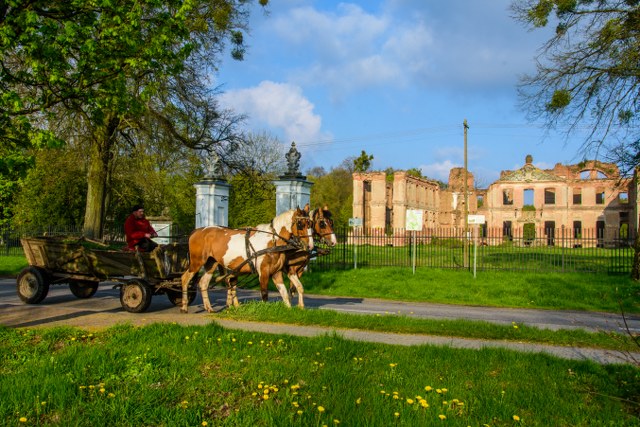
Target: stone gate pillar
[
  {"x": 212, "y": 197},
  {"x": 292, "y": 189}
]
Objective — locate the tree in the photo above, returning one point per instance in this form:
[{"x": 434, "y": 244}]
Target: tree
[
  {"x": 335, "y": 190},
  {"x": 252, "y": 200},
  {"x": 53, "y": 192},
  {"x": 588, "y": 72},
  {"x": 102, "y": 72},
  {"x": 363, "y": 162}
]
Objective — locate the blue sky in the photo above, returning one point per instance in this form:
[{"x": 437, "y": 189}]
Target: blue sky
[{"x": 395, "y": 78}]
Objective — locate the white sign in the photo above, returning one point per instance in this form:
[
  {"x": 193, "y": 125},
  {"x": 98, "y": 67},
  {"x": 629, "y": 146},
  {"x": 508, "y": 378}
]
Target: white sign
[
  {"x": 355, "y": 222},
  {"x": 475, "y": 219},
  {"x": 414, "y": 219}
]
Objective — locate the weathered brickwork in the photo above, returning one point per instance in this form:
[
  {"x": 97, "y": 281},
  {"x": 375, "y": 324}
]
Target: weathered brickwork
[{"x": 571, "y": 198}]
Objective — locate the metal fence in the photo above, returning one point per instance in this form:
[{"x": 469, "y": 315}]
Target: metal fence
[{"x": 545, "y": 250}]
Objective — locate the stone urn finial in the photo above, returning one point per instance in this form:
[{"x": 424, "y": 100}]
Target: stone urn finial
[
  {"x": 529, "y": 159},
  {"x": 293, "y": 161}
]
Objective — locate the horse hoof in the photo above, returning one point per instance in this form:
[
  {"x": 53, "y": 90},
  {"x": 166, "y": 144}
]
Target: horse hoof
[{"x": 184, "y": 310}]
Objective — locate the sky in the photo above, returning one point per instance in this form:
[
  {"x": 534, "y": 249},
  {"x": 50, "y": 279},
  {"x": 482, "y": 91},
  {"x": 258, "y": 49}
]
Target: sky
[{"x": 396, "y": 78}]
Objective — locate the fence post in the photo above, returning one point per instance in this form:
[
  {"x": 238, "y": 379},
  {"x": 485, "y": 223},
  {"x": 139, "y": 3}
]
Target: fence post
[{"x": 562, "y": 249}]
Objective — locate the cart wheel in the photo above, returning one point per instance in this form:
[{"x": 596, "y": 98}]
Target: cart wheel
[
  {"x": 135, "y": 296},
  {"x": 83, "y": 288},
  {"x": 176, "y": 296},
  {"x": 33, "y": 285}
]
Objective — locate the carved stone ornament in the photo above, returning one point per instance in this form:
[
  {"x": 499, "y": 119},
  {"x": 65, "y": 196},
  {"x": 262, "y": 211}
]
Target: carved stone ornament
[
  {"x": 293, "y": 161},
  {"x": 529, "y": 173}
]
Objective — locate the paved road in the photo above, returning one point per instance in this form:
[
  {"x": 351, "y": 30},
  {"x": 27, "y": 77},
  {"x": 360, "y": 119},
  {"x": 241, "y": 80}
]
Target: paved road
[{"x": 104, "y": 309}]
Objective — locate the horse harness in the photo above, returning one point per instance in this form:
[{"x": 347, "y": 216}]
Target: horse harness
[{"x": 292, "y": 244}]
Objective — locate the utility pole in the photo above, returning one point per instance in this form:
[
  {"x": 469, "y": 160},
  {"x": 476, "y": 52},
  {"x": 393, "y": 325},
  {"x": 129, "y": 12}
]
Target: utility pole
[{"x": 466, "y": 200}]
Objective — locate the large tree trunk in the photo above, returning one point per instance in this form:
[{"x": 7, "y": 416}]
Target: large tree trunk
[{"x": 97, "y": 182}]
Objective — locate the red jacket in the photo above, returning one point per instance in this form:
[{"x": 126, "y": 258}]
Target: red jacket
[{"x": 135, "y": 230}]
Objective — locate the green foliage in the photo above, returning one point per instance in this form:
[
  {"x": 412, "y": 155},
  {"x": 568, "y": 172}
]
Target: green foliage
[
  {"x": 363, "y": 162},
  {"x": 335, "y": 190},
  {"x": 415, "y": 172},
  {"x": 252, "y": 200},
  {"x": 54, "y": 191},
  {"x": 529, "y": 232},
  {"x": 104, "y": 73},
  {"x": 588, "y": 72},
  {"x": 559, "y": 100}
]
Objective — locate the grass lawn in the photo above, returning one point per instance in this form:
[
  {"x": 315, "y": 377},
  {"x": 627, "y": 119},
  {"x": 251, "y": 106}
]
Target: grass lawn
[{"x": 166, "y": 374}]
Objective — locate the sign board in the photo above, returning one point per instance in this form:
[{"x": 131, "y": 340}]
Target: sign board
[
  {"x": 414, "y": 220},
  {"x": 355, "y": 222},
  {"x": 476, "y": 219}
]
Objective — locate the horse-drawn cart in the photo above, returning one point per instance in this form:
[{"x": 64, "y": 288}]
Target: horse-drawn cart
[{"x": 78, "y": 263}]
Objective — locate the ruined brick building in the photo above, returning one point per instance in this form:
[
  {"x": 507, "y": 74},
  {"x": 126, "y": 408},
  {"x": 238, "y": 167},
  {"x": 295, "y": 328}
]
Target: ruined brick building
[{"x": 571, "y": 200}]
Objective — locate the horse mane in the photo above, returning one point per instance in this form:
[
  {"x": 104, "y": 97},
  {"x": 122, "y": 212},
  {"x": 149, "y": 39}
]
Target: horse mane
[{"x": 285, "y": 219}]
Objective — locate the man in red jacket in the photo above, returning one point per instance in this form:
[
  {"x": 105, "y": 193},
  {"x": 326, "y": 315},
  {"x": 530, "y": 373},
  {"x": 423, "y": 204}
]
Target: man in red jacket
[{"x": 139, "y": 231}]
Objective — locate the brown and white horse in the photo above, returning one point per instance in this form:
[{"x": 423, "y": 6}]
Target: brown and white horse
[
  {"x": 235, "y": 252},
  {"x": 296, "y": 262}
]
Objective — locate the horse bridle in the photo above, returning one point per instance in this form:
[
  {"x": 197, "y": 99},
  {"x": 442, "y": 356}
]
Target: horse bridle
[{"x": 323, "y": 221}]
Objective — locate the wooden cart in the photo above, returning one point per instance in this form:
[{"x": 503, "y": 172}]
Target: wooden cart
[{"x": 54, "y": 260}]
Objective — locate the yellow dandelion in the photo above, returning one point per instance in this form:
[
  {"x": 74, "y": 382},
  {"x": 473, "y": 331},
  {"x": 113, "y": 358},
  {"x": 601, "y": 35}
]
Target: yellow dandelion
[
  {"x": 265, "y": 397},
  {"x": 91, "y": 387},
  {"x": 43, "y": 403},
  {"x": 444, "y": 402},
  {"x": 204, "y": 424},
  {"x": 111, "y": 395},
  {"x": 286, "y": 381},
  {"x": 516, "y": 418},
  {"x": 393, "y": 365},
  {"x": 250, "y": 343},
  {"x": 321, "y": 409},
  {"x": 396, "y": 414},
  {"x": 410, "y": 401},
  {"x": 428, "y": 388},
  {"x": 395, "y": 396},
  {"x": 442, "y": 417},
  {"x": 102, "y": 390},
  {"x": 382, "y": 392},
  {"x": 336, "y": 422},
  {"x": 295, "y": 404},
  {"x": 424, "y": 404},
  {"x": 187, "y": 337},
  {"x": 266, "y": 391},
  {"x": 23, "y": 419},
  {"x": 295, "y": 387},
  {"x": 439, "y": 390},
  {"x": 254, "y": 394},
  {"x": 300, "y": 412},
  {"x": 358, "y": 401}
]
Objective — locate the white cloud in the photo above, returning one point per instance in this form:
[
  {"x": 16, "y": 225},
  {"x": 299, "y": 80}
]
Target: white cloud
[
  {"x": 279, "y": 106},
  {"x": 439, "y": 170},
  {"x": 404, "y": 44}
]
